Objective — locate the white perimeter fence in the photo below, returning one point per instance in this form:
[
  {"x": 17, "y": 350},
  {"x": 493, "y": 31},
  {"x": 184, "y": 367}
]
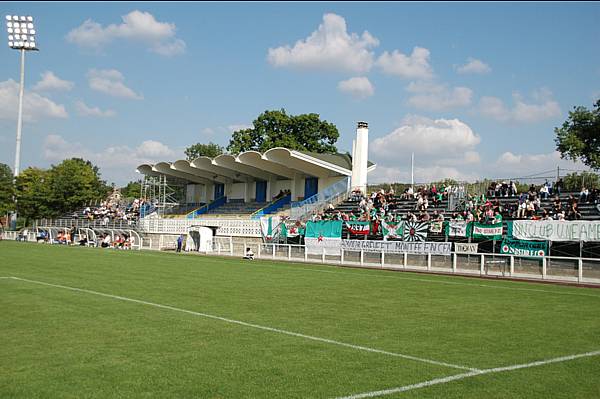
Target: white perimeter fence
[{"x": 551, "y": 268}]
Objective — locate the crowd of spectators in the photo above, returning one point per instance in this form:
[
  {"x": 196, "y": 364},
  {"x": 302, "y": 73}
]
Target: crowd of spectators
[
  {"x": 121, "y": 241},
  {"x": 111, "y": 211},
  {"x": 383, "y": 205},
  {"x": 528, "y": 204},
  {"x": 492, "y": 208}
]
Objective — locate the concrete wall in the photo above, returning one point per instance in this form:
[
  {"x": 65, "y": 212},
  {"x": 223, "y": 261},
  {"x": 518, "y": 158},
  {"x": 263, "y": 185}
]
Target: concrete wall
[
  {"x": 194, "y": 193},
  {"x": 325, "y": 182},
  {"x": 236, "y": 190},
  {"x": 280, "y": 185}
]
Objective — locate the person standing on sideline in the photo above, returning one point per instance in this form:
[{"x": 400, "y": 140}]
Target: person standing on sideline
[{"x": 179, "y": 242}]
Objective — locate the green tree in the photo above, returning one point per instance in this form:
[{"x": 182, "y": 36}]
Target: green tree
[
  {"x": 575, "y": 181},
  {"x": 132, "y": 189},
  {"x": 579, "y": 136},
  {"x": 306, "y": 132},
  {"x": 33, "y": 194},
  {"x": 73, "y": 183},
  {"x": 6, "y": 189},
  {"x": 210, "y": 150}
]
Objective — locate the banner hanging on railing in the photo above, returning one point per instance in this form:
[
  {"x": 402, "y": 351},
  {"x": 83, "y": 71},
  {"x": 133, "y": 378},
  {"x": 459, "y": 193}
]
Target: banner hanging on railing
[
  {"x": 324, "y": 228},
  {"x": 456, "y": 228},
  {"x": 398, "y": 247},
  {"x": 530, "y": 249},
  {"x": 436, "y": 226},
  {"x": 323, "y": 236},
  {"x": 414, "y": 231},
  {"x": 320, "y": 245},
  {"x": 269, "y": 226},
  {"x": 489, "y": 231},
  {"x": 465, "y": 248},
  {"x": 358, "y": 227},
  {"x": 391, "y": 230},
  {"x": 554, "y": 230}
]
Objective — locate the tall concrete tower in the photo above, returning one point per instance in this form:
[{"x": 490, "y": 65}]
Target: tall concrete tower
[{"x": 360, "y": 152}]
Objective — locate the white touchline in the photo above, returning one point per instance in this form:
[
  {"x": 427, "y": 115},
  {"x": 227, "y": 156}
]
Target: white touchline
[
  {"x": 456, "y": 377},
  {"x": 257, "y": 326}
]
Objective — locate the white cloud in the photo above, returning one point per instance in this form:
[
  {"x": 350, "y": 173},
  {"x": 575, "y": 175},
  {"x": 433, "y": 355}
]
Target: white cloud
[
  {"x": 440, "y": 137},
  {"x": 50, "y": 81},
  {"x": 511, "y": 164},
  {"x": 85, "y": 110},
  {"x": 358, "y": 87},
  {"x": 330, "y": 47},
  {"x": 137, "y": 26},
  {"x": 35, "y": 106},
  {"x": 544, "y": 107},
  {"x": 207, "y": 131},
  {"x": 438, "y": 97},
  {"x": 110, "y": 81},
  {"x": 117, "y": 163},
  {"x": 414, "y": 66},
  {"x": 444, "y": 148},
  {"x": 235, "y": 127},
  {"x": 474, "y": 65},
  {"x": 425, "y": 174}
]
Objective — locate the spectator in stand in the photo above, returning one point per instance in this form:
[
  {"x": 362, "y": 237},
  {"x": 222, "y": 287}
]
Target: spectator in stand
[
  {"x": 583, "y": 195},
  {"x": 497, "y": 217},
  {"x": 544, "y": 192},
  {"x": 557, "y": 205},
  {"x": 559, "y": 185},
  {"x": 573, "y": 213}
]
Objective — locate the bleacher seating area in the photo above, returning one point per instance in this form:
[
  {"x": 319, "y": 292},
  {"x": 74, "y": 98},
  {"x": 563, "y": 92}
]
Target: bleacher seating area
[{"x": 399, "y": 207}]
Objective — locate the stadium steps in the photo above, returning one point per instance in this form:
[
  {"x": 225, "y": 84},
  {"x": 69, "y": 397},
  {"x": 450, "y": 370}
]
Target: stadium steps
[{"x": 236, "y": 208}]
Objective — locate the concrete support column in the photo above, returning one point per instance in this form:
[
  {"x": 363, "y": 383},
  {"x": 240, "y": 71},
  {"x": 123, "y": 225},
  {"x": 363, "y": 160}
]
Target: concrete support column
[
  {"x": 249, "y": 195},
  {"x": 297, "y": 188}
]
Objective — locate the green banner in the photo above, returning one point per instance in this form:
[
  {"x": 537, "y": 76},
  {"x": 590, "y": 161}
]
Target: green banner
[
  {"x": 529, "y": 249},
  {"x": 324, "y": 228},
  {"x": 489, "y": 231},
  {"x": 359, "y": 228}
]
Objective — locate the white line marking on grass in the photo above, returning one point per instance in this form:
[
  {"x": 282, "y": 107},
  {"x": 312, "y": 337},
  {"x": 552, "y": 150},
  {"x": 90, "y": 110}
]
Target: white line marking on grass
[
  {"x": 456, "y": 377},
  {"x": 433, "y": 281},
  {"x": 257, "y": 326}
]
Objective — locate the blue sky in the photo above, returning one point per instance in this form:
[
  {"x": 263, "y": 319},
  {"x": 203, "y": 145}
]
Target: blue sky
[{"x": 474, "y": 89}]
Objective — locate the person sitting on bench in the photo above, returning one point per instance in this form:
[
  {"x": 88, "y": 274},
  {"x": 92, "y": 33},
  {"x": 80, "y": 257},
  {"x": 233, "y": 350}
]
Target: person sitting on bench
[{"x": 249, "y": 254}]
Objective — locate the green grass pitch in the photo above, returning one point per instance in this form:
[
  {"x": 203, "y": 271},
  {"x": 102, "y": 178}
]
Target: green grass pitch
[{"x": 128, "y": 324}]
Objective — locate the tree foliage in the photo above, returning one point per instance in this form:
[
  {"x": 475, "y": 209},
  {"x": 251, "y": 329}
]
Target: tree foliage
[
  {"x": 210, "y": 150},
  {"x": 131, "y": 190},
  {"x": 306, "y": 132},
  {"x": 579, "y": 136},
  {"x": 575, "y": 181},
  {"x": 61, "y": 189},
  {"x": 6, "y": 189},
  {"x": 33, "y": 194}
]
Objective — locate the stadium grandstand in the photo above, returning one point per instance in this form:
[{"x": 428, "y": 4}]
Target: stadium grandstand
[{"x": 272, "y": 201}]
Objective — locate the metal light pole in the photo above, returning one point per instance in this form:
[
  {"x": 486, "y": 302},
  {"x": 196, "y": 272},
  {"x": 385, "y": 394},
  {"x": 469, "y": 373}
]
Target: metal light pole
[{"x": 21, "y": 36}]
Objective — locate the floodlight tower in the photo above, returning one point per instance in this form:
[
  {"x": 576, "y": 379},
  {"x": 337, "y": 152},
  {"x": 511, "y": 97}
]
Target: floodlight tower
[{"x": 21, "y": 36}]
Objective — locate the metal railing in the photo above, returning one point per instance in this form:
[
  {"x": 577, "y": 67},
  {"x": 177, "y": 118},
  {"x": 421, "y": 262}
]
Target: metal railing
[
  {"x": 332, "y": 194},
  {"x": 85, "y": 223},
  {"x": 549, "y": 268},
  {"x": 229, "y": 227}
]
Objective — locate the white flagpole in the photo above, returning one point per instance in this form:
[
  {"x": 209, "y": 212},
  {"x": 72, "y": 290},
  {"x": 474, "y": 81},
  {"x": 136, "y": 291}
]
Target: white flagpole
[{"x": 412, "y": 170}]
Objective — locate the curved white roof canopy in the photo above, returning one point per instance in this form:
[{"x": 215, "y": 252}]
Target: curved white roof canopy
[{"x": 276, "y": 163}]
